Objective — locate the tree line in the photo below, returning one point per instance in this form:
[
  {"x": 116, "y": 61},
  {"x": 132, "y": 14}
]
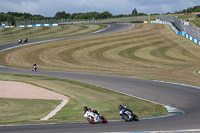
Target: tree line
[
  {"x": 13, "y": 17},
  {"x": 189, "y": 10}
]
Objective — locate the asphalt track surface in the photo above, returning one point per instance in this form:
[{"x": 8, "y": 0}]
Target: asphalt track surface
[{"x": 185, "y": 98}]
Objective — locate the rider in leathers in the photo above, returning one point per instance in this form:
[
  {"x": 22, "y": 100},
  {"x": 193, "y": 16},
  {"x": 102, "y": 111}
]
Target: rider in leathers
[{"x": 92, "y": 110}]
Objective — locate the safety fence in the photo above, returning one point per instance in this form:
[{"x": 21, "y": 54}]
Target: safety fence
[
  {"x": 178, "y": 32},
  {"x": 184, "y": 26},
  {"x": 5, "y": 24},
  {"x": 36, "y": 25},
  {"x": 86, "y": 21}
]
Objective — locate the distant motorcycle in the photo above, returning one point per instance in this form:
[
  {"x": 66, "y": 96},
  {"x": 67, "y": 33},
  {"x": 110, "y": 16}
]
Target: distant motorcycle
[
  {"x": 34, "y": 68},
  {"x": 127, "y": 114},
  {"x": 26, "y": 40},
  {"x": 93, "y": 117},
  {"x": 20, "y": 41}
]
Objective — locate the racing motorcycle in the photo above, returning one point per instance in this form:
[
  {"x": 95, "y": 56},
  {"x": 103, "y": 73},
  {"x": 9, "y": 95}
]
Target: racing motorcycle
[
  {"x": 20, "y": 41},
  {"x": 127, "y": 114},
  {"x": 94, "y": 117},
  {"x": 26, "y": 40},
  {"x": 34, "y": 68}
]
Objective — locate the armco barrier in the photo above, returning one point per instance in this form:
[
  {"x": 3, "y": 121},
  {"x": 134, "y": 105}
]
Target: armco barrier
[
  {"x": 34, "y": 25},
  {"x": 178, "y": 32},
  {"x": 37, "y": 25},
  {"x": 7, "y": 26}
]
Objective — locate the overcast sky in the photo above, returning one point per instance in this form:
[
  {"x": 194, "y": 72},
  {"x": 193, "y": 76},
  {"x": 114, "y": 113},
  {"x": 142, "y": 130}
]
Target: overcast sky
[{"x": 50, "y": 7}]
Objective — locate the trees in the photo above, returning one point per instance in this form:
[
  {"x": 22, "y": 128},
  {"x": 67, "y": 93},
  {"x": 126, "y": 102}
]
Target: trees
[
  {"x": 134, "y": 11},
  {"x": 62, "y": 15},
  {"x": 12, "y": 17},
  {"x": 105, "y": 14},
  {"x": 91, "y": 15},
  {"x": 189, "y": 10}
]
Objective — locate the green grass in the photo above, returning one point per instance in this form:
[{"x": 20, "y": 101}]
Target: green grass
[
  {"x": 150, "y": 51},
  {"x": 153, "y": 17},
  {"x": 34, "y": 33},
  {"x": 196, "y": 22},
  {"x": 20, "y": 110},
  {"x": 80, "y": 94},
  {"x": 184, "y": 16}
]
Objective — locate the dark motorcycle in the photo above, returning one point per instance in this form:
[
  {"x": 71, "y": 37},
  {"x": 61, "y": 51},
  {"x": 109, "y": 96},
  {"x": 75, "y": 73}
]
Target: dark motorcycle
[
  {"x": 127, "y": 114},
  {"x": 26, "y": 40}
]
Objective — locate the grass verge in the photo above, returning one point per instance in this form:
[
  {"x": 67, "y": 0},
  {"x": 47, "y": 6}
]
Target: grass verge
[
  {"x": 15, "y": 111},
  {"x": 147, "y": 51},
  {"x": 80, "y": 94},
  {"x": 35, "y": 33},
  {"x": 196, "y": 22}
]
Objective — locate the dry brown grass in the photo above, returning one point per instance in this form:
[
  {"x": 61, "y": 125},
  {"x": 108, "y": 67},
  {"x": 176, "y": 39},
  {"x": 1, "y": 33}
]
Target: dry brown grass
[
  {"x": 33, "y": 33},
  {"x": 150, "y": 51}
]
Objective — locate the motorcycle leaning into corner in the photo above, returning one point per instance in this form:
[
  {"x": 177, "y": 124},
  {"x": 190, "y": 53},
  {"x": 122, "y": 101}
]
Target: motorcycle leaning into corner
[
  {"x": 26, "y": 40},
  {"x": 93, "y": 116},
  {"x": 20, "y": 41},
  {"x": 127, "y": 114}
]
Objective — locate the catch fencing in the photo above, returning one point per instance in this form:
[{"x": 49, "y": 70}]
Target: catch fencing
[
  {"x": 185, "y": 26},
  {"x": 85, "y": 21},
  {"x": 5, "y": 24}
]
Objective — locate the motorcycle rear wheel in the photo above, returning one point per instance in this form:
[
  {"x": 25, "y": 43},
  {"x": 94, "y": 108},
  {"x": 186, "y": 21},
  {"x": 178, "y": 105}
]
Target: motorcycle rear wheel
[
  {"x": 135, "y": 118},
  {"x": 104, "y": 120},
  {"x": 125, "y": 117}
]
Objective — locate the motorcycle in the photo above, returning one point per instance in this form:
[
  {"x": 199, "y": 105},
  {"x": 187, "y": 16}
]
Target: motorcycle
[
  {"x": 20, "y": 41},
  {"x": 128, "y": 115},
  {"x": 34, "y": 68},
  {"x": 26, "y": 40},
  {"x": 94, "y": 117}
]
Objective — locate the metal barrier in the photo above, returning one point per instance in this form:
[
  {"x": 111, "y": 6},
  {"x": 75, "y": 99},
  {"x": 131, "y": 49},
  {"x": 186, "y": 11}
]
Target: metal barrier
[
  {"x": 185, "y": 26},
  {"x": 85, "y": 21},
  {"x": 177, "y": 31},
  {"x": 5, "y": 24}
]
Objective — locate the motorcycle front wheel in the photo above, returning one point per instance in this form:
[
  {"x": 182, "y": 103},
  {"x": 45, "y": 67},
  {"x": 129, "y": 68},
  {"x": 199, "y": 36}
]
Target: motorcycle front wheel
[
  {"x": 90, "y": 121},
  {"x": 125, "y": 117}
]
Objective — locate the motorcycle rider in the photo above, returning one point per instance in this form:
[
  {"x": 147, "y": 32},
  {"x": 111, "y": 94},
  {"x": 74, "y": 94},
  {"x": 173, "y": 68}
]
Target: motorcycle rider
[
  {"x": 123, "y": 107},
  {"x": 20, "y": 40},
  {"x": 26, "y": 40},
  {"x": 92, "y": 110},
  {"x": 34, "y": 65}
]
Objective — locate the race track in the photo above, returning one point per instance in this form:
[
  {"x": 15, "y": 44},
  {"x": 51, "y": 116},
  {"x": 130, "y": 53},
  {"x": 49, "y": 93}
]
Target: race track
[{"x": 185, "y": 98}]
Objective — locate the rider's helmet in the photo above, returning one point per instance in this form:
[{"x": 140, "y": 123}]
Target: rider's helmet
[
  {"x": 85, "y": 108},
  {"x": 120, "y": 106}
]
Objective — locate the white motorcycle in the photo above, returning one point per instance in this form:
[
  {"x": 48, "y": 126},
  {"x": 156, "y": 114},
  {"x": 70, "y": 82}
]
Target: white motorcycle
[
  {"x": 94, "y": 117},
  {"x": 20, "y": 41}
]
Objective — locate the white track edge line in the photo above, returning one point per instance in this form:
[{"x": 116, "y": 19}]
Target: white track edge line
[
  {"x": 101, "y": 30},
  {"x": 169, "y": 131},
  {"x": 58, "y": 108}
]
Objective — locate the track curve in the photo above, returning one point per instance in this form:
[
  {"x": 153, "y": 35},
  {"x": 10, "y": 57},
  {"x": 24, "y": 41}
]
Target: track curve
[{"x": 183, "y": 97}]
